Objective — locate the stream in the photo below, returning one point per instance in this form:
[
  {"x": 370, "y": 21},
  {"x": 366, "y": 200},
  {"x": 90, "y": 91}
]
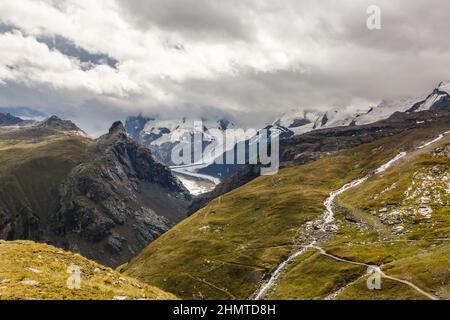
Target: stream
[{"x": 325, "y": 223}]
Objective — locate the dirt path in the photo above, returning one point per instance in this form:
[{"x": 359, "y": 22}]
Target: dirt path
[
  {"x": 378, "y": 269},
  {"x": 213, "y": 286},
  {"x": 327, "y": 224}
]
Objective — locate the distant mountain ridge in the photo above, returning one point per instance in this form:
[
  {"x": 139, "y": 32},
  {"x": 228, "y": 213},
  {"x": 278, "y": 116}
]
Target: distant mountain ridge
[
  {"x": 162, "y": 136},
  {"x": 51, "y": 123},
  {"x": 9, "y": 120},
  {"x": 57, "y": 123},
  {"x": 303, "y": 120},
  {"x": 25, "y": 113}
]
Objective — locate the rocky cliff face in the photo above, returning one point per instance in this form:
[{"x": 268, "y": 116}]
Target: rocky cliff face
[
  {"x": 116, "y": 204},
  {"x": 108, "y": 200}
]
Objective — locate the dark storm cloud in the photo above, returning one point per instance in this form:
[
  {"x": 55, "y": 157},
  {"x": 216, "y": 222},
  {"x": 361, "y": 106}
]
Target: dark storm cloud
[
  {"x": 68, "y": 48},
  {"x": 5, "y": 28},
  {"x": 197, "y": 18},
  {"x": 253, "y": 59},
  {"x": 412, "y": 26}
]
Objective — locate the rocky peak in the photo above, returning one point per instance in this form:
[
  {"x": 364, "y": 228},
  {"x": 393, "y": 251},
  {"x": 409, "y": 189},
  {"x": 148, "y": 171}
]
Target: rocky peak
[
  {"x": 9, "y": 120},
  {"x": 224, "y": 124},
  {"x": 439, "y": 99},
  {"x": 117, "y": 127},
  {"x": 57, "y": 123},
  {"x": 116, "y": 135},
  {"x": 444, "y": 86},
  {"x": 138, "y": 161},
  {"x": 135, "y": 125}
]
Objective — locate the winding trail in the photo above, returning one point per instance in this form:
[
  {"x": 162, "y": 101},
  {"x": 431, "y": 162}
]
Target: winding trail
[
  {"x": 228, "y": 293},
  {"x": 377, "y": 269},
  {"x": 326, "y": 224}
]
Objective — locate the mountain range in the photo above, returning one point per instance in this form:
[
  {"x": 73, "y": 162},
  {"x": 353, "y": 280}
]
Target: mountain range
[
  {"x": 161, "y": 136},
  {"x": 358, "y": 194},
  {"x": 302, "y": 120},
  {"x": 24, "y": 113}
]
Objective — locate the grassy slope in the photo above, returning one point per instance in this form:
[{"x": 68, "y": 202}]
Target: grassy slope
[
  {"x": 37, "y": 271},
  {"x": 423, "y": 253},
  {"x": 32, "y": 169},
  {"x": 224, "y": 250},
  {"x": 416, "y": 254}
]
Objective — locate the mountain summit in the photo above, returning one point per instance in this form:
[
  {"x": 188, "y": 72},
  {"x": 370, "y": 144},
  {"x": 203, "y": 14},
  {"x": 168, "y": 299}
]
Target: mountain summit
[
  {"x": 117, "y": 127},
  {"x": 106, "y": 198},
  {"x": 9, "y": 120},
  {"x": 58, "y": 124}
]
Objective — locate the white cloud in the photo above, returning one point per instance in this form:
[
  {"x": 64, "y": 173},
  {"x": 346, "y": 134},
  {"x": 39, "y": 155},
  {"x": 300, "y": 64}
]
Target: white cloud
[
  {"x": 256, "y": 56},
  {"x": 23, "y": 59}
]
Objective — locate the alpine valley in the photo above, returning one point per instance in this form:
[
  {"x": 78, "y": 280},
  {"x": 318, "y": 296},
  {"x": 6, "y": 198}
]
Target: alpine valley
[
  {"x": 357, "y": 194},
  {"x": 369, "y": 195}
]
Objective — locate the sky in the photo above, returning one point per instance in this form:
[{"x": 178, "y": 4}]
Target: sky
[{"x": 251, "y": 60}]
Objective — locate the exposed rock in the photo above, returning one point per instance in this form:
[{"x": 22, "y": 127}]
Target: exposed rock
[
  {"x": 398, "y": 229},
  {"x": 109, "y": 202},
  {"x": 107, "y": 205},
  {"x": 29, "y": 282},
  {"x": 299, "y": 122}
]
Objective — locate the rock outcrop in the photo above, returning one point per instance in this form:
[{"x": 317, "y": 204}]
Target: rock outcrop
[{"x": 106, "y": 198}]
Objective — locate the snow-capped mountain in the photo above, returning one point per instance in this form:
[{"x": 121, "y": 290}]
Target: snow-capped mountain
[
  {"x": 438, "y": 99},
  {"x": 161, "y": 136},
  {"x": 385, "y": 109},
  {"x": 301, "y": 120}
]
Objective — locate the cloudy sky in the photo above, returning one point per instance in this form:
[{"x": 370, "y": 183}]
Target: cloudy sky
[{"x": 98, "y": 61}]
